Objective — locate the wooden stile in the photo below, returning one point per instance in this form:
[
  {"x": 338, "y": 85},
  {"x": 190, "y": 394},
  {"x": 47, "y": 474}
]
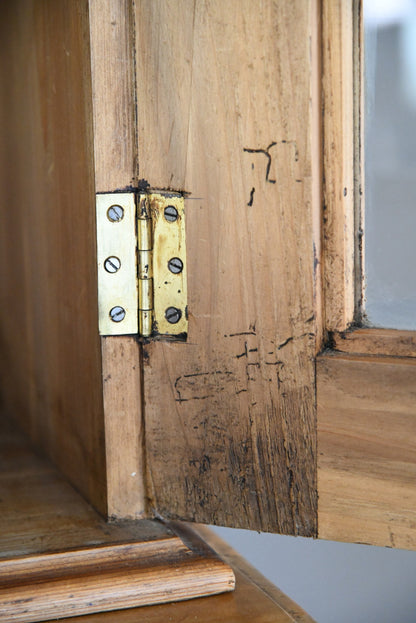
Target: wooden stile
[{"x": 225, "y": 115}]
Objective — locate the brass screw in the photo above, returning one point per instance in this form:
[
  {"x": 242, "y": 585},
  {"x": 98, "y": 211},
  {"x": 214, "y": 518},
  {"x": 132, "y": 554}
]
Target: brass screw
[
  {"x": 175, "y": 265},
  {"x": 117, "y": 313},
  {"x": 173, "y": 315},
  {"x": 112, "y": 264},
  {"x": 171, "y": 214},
  {"x": 115, "y": 213}
]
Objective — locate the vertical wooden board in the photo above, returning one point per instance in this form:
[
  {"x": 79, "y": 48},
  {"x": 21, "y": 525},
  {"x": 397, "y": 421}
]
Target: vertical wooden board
[
  {"x": 51, "y": 364},
  {"x": 366, "y": 443},
  {"x": 113, "y": 84},
  {"x": 225, "y": 110},
  {"x": 338, "y": 162},
  {"x": 115, "y": 164},
  {"x": 124, "y": 435}
]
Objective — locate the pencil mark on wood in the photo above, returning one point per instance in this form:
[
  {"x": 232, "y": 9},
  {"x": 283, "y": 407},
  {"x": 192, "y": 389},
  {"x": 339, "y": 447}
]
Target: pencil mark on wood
[
  {"x": 201, "y": 385},
  {"x": 242, "y": 333},
  {"x": 266, "y": 153},
  {"x": 250, "y": 202}
]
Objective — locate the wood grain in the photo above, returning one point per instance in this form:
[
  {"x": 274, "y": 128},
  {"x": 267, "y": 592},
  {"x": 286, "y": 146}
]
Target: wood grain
[
  {"x": 376, "y": 342},
  {"x": 115, "y": 162},
  {"x": 225, "y": 113},
  {"x": 113, "y": 88},
  {"x": 50, "y": 351},
  {"x": 338, "y": 162},
  {"x": 367, "y": 449},
  {"x": 58, "y": 557},
  {"x": 254, "y": 598},
  {"x": 124, "y": 434}
]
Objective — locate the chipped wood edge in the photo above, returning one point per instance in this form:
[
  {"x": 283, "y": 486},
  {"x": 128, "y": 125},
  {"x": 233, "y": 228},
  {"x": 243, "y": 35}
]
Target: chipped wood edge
[{"x": 116, "y": 154}]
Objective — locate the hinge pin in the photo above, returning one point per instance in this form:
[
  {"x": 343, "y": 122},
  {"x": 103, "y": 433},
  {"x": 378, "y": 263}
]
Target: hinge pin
[{"x": 145, "y": 267}]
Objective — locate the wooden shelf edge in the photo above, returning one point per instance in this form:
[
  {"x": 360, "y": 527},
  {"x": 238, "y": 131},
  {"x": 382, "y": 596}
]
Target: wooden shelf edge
[
  {"x": 139, "y": 582},
  {"x": 59, "y": 558}
]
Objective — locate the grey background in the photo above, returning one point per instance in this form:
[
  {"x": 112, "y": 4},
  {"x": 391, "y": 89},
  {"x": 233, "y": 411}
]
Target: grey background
[
  {"x": 390, "y": 164},
  {"x": 334, "y": 582}
]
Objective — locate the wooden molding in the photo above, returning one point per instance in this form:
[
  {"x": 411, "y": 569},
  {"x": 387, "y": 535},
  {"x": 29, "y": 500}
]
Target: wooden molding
[
  {"x": 59, "y": 558},
  {"x": 390, "y": 342},
  {"x": 254, "y": 599}
]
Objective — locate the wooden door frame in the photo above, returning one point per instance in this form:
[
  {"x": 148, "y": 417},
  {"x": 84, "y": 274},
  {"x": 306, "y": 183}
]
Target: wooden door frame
[
  {"x": 355, "y": 366},
  {"x": 365, "y": 376}
]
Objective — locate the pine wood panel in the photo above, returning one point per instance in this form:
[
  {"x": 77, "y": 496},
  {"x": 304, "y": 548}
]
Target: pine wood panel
[
  {"x": 224, "y": 113},
  {"x": 58, "y": 557},
  {"x": 338, "y": 163},
  {"x": 50, "y": 350},
  {"x": 115, "y": 164},
  {"x": 367, "y": 449}
]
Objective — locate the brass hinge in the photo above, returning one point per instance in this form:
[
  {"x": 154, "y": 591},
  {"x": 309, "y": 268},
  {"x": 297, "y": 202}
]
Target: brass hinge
[{"x": 141, "y": 255}]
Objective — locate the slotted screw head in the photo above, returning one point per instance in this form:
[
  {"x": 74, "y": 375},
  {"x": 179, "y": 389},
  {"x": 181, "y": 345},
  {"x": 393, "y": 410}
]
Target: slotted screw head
[
  {"x": 112, "y": 264},
  {"x": 117, "y": 313},
  {"x": 173, "y": 315},
  {"x": 115, "y": 213},
  {"x": 171, "y": 214},
  {"x": 175, "y": 265}
]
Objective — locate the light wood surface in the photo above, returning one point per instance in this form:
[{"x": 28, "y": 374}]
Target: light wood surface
[
  {"x": 115, "y": 162},
  {"x": 50, "y": 350},
  {"x": 338, "y": 163},
  {"x": 58, "y": 557},
  {"x": 113, "y": 86},
  {"x": 124, "y": 434},
  {"x": 225, "y": 114},
  {"x": 367, "y": 449},
  {"x": 376, "y": 342},
  {"x": 254, "y": 598}
]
